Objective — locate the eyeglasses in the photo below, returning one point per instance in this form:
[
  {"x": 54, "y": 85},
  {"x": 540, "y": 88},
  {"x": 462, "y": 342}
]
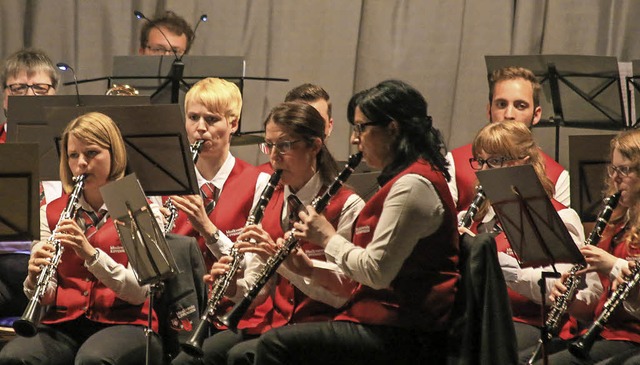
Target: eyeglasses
[
  {"x": 358, "y": 128},
  {"x": 282, "y": 147},
  {"x": 622, "y": 171},
  {"x": 161, "y": 51},
  {"x": 21, "y": 89},
  {"x": 492, "y": 162}
]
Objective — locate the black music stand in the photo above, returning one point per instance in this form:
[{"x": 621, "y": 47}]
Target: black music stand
[
  {"x": 532, "y": 225},
  {"x": 156, "y": 143},
  {"x": 19, "y": 211},
  {"x": 582, "y": 91},
  {"x": 633, "y": 93},
  {"x": 27, "y": 122},
  {"x": 142, "y": 239}
]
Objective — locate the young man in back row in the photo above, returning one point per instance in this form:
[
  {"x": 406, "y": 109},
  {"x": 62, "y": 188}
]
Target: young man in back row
[{"x": 514, "y": 94}]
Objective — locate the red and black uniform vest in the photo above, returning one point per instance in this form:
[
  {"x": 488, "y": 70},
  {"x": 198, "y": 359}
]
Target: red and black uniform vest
[
  {"x": 422, "y": 294},
  {"x": 466, "y": 177},
  {"x": 621, "y": 325},
  {"x": 80, "y": 293},
  {"x": 232, "y": 207},
  {"x": 290, "y": 305}
]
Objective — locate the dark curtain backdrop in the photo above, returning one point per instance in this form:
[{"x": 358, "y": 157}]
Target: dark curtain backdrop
[{"x": 344, "y": 45}]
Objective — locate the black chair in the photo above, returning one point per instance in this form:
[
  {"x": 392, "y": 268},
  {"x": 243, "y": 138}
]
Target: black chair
[
  {"x": 184, "y": 296},
  {"x": 482, "y": 327}
]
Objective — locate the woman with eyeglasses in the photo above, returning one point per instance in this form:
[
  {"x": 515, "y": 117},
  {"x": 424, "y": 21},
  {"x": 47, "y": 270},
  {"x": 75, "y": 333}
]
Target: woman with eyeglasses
[
  {"x": 403, "y": 253},
  {"x": 620, "y": 337},
  {"x": 506, "y": 144},
  {"x": 307, "y": 288},
  {"x": 95, "y": 309}
]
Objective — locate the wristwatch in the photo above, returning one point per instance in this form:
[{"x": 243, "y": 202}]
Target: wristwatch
[
  {"x": 93, "y": 258},
  {"x": 216, "y": 235}
]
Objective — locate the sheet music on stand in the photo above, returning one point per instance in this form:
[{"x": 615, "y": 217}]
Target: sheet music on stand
[
  {"x": 140, "y": 234},
  {"x": 19, "y": 182},
  {"x": 532, "y": 225}
]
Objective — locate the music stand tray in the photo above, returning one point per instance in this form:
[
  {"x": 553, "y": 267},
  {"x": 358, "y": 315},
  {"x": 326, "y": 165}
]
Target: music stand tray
[
  {"x": 532, "y": 225},
  {"x": 27, "y": 123},
  {"x": 156, "y": 143},
  {"x": 19, "y": 211}
]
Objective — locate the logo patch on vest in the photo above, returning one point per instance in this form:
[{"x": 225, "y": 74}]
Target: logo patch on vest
[
  {"x": 363, "y": 229},
  {"x": 116, "y": 249},
  {"x": 179, "y": 320},
  {"x": 233, "y": 232}
]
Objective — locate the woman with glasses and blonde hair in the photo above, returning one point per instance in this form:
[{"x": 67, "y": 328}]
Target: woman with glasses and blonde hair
[
  {"x": 620, "y": 337},
  {"x": 506, "y": 144},
  {"x": 307, "y": 288},
  {"x": 96, "y": 310}
]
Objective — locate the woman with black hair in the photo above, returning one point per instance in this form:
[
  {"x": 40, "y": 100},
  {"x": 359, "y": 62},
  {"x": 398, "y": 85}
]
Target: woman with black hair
[{"x": 404, "y": 250}]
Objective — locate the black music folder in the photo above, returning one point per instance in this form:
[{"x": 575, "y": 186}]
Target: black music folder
[
  {"x": 535, "y": 231},
  {"x": 19, "y": 187}
]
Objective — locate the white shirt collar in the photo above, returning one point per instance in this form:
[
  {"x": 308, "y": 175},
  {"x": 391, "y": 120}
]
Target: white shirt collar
[
  {"x": 308, "y": 192},
  {"x": 222, "y": 175}
]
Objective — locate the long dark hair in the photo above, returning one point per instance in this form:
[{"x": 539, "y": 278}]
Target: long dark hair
[
  {"x": 305, "y": 121},
  {"x": 417, "y": 138}
]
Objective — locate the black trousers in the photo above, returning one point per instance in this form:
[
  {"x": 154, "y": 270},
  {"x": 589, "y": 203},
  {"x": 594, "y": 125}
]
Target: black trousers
[
  {"x": 82, "y": 342},
  {"x": 601, "y": 353},
  {"x": 349, "y": 343},
  {"x": 225, "y": 347}
]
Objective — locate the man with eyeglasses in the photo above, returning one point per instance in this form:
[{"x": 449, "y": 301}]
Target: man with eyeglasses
[
  {"x": 167, "y": 35},
  {"x": 514, "y": 94},
  {"x": 27, "y": 72}
]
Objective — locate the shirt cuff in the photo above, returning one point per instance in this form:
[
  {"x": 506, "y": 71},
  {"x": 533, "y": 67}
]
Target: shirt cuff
[{"x": 616, "y": 270}]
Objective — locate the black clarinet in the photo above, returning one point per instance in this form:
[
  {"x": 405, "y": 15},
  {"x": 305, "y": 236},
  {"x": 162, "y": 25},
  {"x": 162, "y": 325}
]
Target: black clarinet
[
  {"x": 582, "y": 346},
  {"x": 467, "y": 220},
  {"x": 27, "y": 325},
  {"x": 232, "y": 318},
  {"x": 193, "y": 346},
  {"x": 573, "y": 281}
]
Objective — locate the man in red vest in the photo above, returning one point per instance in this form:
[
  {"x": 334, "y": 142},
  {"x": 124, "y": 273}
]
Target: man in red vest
[{"x": 514, "y": 94}]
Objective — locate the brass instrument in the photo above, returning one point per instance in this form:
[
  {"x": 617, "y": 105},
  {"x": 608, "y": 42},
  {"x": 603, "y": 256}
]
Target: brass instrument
[
  {"x": 27, "y": 325},
  {"x": 467, "y": 220},
  {"x": 193, "y": 346},
  {"x": 232, "y": 318},
  {"x": 173, "y": 211},
  {"x": 122, "y": 90},
  {"x": 573, "y": 281}
]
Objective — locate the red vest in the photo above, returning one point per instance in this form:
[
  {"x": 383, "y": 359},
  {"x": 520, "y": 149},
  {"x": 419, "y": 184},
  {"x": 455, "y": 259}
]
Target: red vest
[
  {"x": 266, "y": 167},
  {"x": 80, "y": 293},
  {"x": 232, "y": 208},
  {"x": 422, "y": 294},
  {"x": 621, "y": 325},
  {"x": 290, "y": 305},
  {"x": 466, "y": 176},
  {"x": 3, "y": 133}
]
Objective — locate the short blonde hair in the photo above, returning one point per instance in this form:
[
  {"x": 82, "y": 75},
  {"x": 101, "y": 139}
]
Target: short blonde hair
[
  {"x": 95, "y": 128},
  {"x": 217, "y": 95}
]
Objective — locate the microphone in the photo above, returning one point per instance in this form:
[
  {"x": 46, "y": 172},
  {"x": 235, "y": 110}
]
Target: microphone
[
  {"x": 139, "y": 15},
  {"x": 177, "y": 68},
  {"x": 203, "y": 18},
  {"x": 64, "y": 67}
]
